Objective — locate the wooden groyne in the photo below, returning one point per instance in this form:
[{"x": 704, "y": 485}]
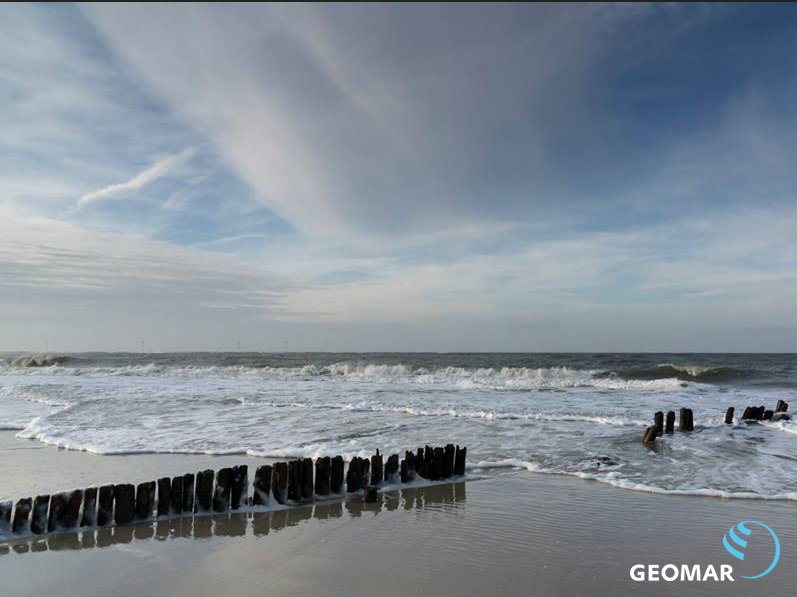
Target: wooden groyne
[
  {"x": 686, "y": 419},
  {"x": 294, "y": 482}
]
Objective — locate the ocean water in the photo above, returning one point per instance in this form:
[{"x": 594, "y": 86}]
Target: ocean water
[{"x": 547, "y": 413}]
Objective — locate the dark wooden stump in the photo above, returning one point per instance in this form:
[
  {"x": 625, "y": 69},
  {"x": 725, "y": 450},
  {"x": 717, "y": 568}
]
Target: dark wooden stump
[
  {"x": 322, "y": 475},
  {"x": 164, "y": 496},
  {"x": 223, "y": 491},
  {"x": 448, "y": 461},
  {"x": 659, "y": 421},
  {"x": 437, "y": 464},
  {"x": 670, "y": 425},
  {"x": 768, "y": 415},
  {"x": 203, "y": 493},
  {"x": 145, "y": 496},
  {"x": 294, "y": 480},
  {"x": 336, "y": 474},
  {"x": 262, "y": 485},
  {"x": 177, "y": 495},
  {"x": 377, "y": 469},
  {"x": 781, "y": 406},
  {"x": 124, "y": 496},
  {"x": 38, "y": 522},
  {"x": 279, "y": 481},
  {"x": 307, "y": 478},
  {"x": 105, "y": 505},
  {"x": 21, "y": 515},
  {"x": 649, "y": 437},
  {"x": 420, "y": 465},
  {"x": 690, "y": 421},
  {"x": 240, "y": 482},
  {"x": 188, "y": 493},
  {"x": 459, "y": 461},
  {"x": 729, "y": 416},
  {"x": 683, "y": 420},
  {"x": 406, "y": 474},
  {"x": 391, "y": 467},
  {"x": 71, "y": 511},
  {"x": 353, "y": 475},
  {"x": 428, "y": 459},
  {"x": 410, "y": 458},
  {"x": 57, "y": 505},
  {"x": 89, "y": 507},
  {"x": 760, "y": 412},
  {"x": 5, "y": 516}
]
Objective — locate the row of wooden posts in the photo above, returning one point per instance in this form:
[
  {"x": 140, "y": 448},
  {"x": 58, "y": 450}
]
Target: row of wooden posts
[
  {"x": 295, "y": 481},
  {"x": 686, "y": 419}
]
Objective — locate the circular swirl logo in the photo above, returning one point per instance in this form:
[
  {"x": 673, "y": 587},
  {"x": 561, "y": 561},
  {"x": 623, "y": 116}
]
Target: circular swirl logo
[{"x": 743, "y": 543}]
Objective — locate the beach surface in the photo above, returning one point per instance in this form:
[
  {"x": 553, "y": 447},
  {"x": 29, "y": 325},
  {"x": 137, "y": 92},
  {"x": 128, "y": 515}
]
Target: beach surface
[{"x": 509, "y": 533}]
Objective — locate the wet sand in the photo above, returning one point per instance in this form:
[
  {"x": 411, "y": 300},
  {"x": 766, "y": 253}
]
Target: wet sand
[{"x": 512, "y": 534}]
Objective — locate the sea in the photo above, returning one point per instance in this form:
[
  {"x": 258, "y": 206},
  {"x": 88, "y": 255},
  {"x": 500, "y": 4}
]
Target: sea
[{"x": 539, "y": 413}]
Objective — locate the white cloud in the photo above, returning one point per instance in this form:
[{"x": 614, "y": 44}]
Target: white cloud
[{"x": 143, "y": 178}]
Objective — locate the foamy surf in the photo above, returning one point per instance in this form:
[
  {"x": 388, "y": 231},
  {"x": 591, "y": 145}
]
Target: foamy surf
[{"x": 553, "y": 414}]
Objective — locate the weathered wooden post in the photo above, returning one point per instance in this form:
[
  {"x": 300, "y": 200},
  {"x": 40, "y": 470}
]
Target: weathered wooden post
[
  {"x": 204, "y": 490},
  {"x": 649, "y": 437},
  {"x": 294, "y": 480},
  {"x": 21, "y": 515},
  {"x": 437, "y": 464},
  {"x": 105, "y": 505},
  {"x": 353, "y": 474},
  {"x": 279, "y": 482},
  {"x": 89, "y": 507},
  {"x": 377, "y": 469},
  {"x": 223, "y": 491},
  {"x": 240, "y": 482},
  {"x": 659, "y": 421},
  {"x": 690, "y": 420},
  {"x": 124, "y": 495},
  {"x": 306, "y": 465},
  {"x": 448, "y": 461},
  {"x": 768, "y": 415},
  {"x": 261, "y": 488},
  {"x": 145, "y": 496},
  {"x": 322, "y": 475},
  {"x": 71, "y": 511},
  {"x": 406, "y": 474},
  {"x": 392, "y": 467},
  {"x": 428, "y": 459},
  {"x": 177, "y": 495},
  {"x": 188, "y": 492},
  {"x": 729, "y": 416},
  {"x": 409, "y": 456},
  {"x": 336, "y": 474},
  {"x": 459, "y": 461},
  {"x": 420, "y": 465},
  {"x": 761, "y": 410},
  {"x": 57, "y": 505},
  {"x": 38, "y": 522},
  {"x": 682, "y": 420},
  {"x": 5, "y": 516},
  {"x": 164, "y": 496},
  {"x": 781, "y": 406},
  {"x": 670, "y": 425}
]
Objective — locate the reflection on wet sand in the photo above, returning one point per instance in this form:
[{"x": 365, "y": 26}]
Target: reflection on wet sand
[{"x": 446, "y": 497}]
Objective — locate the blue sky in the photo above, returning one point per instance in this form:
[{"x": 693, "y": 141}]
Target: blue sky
[{"x": 398, "y": 177}]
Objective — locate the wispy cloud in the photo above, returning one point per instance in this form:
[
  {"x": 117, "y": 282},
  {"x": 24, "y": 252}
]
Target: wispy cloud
[{"x": 143, "y": 178}]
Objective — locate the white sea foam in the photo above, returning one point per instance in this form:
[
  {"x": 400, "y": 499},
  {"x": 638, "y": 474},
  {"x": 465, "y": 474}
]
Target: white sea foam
[{"x": 555, "y": 420}]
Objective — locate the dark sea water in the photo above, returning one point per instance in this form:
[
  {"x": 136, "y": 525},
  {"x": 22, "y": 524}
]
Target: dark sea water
[{"x": 548, "y": 413}]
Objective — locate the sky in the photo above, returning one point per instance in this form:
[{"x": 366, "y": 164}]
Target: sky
[{"x": 547, "y": 177}]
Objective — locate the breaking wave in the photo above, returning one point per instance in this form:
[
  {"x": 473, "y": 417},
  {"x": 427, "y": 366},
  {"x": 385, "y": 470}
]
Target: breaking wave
[{"x": 698, "y": 373}]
